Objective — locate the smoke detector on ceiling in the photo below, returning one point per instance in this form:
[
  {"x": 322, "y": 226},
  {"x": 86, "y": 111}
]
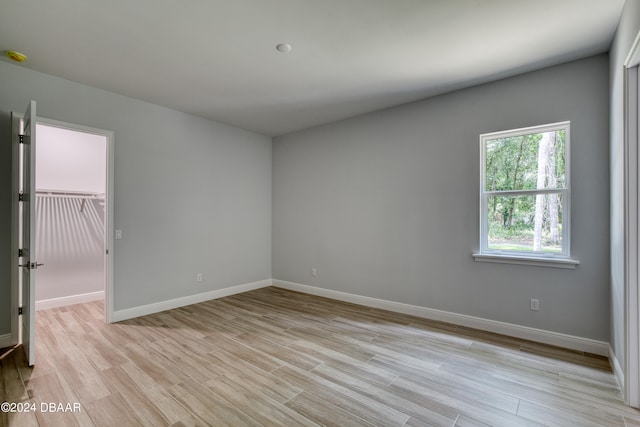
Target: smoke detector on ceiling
[{"x": 283, "y": 47}]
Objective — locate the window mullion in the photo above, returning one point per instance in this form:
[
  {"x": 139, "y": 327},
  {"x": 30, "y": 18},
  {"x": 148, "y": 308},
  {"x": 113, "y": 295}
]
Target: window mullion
[{"x": 525, "y": 192}]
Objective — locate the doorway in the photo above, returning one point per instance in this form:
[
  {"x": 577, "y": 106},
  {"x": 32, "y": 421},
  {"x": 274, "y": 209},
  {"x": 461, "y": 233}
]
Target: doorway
[
  {"x": 631, "y": 380},
  {"x": 71, "y": 172},
  {"x": 92, "y": 236}
]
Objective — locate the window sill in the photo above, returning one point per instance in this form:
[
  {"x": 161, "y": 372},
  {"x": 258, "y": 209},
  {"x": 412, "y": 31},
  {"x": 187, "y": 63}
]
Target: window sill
[{"x": 523, "y": 260}]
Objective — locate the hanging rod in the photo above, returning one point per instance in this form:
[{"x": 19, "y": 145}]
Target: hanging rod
[{"x": 70, "y": 194}]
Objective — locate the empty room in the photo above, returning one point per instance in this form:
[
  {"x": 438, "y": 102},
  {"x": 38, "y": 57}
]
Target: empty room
[{"x": 303, "y": 213}]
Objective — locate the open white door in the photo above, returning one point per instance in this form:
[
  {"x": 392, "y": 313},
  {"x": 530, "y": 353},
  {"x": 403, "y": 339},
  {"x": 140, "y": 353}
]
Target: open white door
[{"x": 27, "y": 231}]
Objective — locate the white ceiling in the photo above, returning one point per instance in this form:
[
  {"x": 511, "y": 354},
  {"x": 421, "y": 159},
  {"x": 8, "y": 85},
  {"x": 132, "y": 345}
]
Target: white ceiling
[{"x": 217, "y": 58}]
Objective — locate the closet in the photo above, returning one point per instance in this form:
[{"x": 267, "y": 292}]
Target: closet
[{"x": 70, "y": 215}]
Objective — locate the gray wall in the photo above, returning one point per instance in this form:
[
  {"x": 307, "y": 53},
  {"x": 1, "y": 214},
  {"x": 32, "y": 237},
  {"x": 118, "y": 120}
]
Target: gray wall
[
  {"x": 627, "y": 30},
  {"x": 385, "y": 205},
  {"x": 191, "y": 195}
]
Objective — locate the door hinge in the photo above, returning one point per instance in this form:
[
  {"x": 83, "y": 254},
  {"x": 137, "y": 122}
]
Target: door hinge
[
  {"x": 21, "y": 140},
  {"x": 21, "y": 197},
  {"x": 19, "y": 310},
  {"x": 20, "y": 252}
]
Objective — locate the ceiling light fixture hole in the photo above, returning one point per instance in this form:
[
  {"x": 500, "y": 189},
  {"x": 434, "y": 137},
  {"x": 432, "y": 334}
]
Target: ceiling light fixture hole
[{"x": 16, "y": 56}]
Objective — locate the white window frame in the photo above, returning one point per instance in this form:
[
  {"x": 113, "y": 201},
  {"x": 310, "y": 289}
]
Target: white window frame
[{"x": 544, "y": 259}]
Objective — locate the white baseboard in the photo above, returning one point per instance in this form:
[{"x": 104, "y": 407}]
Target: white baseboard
[
  {"x": 6, "y": 341},
  {"x": 524, "y": 332},
  {"x": 73, "y": 299},
  {"x": 617, "y": 369},
  {"x": 143, "y": 310}
]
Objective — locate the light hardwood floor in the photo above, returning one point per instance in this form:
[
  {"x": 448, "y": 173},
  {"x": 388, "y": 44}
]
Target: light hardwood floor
[{"x": 279, "y": 358}]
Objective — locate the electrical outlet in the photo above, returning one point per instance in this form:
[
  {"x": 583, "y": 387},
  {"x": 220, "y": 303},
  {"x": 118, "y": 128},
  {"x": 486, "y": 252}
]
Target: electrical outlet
[
  {"x": 199, "y": 277},
  {"x": 314, "y": 272},
  {"x": 535, "y": 304},
  {"x": 118, "y": 234}
]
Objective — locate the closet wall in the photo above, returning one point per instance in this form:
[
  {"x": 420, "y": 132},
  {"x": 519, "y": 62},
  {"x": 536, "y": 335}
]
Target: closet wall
[{"x": 70, "y": 214}]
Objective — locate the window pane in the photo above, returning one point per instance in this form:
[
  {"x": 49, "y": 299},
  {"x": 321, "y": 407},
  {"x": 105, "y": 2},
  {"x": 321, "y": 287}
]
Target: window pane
[
  {"x": 525, "y": 223},
  {"x": 525, "y": 162}
]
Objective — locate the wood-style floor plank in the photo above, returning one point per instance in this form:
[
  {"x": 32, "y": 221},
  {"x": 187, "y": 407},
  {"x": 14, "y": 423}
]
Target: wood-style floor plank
[{"x": 272, "y": 357}]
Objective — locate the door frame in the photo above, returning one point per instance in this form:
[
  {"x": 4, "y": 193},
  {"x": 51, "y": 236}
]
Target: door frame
[
  {"x": 632, "y": 224},
  {"x": 15, "y": 213},
  {"x": 109, "y": 215}
]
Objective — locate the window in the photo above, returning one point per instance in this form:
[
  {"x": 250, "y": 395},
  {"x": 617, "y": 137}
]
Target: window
[{"x": 525, "y": 195}]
